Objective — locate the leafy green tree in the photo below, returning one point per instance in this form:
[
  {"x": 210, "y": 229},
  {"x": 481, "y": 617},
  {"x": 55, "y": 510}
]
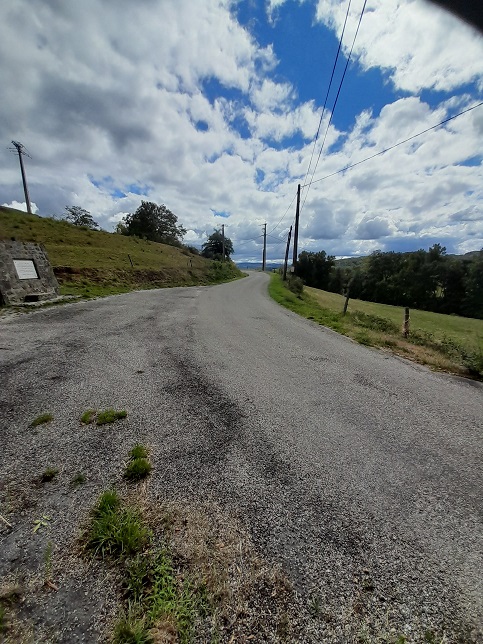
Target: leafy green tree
[
  {"x": 213, "y": 247},
  {"x": 153, "y": 222},
  {"x": 80, "y": 217},
  {"x": 473, "y": 301},
  {"x": 315, "y": 268}
]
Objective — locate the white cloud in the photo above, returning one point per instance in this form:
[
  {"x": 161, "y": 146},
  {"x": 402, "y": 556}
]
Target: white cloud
[
  {"x": 417, "y": 43},
  {"x": 21, "y": 205}
]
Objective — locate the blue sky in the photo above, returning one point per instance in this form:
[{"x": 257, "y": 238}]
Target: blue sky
[{"x": 214, "y": 112}]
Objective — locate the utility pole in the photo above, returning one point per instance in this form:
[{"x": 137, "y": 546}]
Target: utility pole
[
  {"x": 20, "y": 149},
  {"x": 296, "y": 231},
  {"x": 286, "y": 254},
  {"x": 264, "y": 257},
  {"x": 223, "y": 241}
]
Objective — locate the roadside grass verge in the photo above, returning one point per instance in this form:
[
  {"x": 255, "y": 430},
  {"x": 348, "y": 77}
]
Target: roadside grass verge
[{"x": 431, "y": 341}]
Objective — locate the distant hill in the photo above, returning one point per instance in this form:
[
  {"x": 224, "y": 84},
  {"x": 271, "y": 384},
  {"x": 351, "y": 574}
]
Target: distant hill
[
  {"x": 89, "y": 263},
  {"x": 256, "y": 266},
  {"x": 349, "y": 262}
]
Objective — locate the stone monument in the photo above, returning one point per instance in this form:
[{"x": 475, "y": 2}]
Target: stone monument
[{"x": 25, "y": 273}]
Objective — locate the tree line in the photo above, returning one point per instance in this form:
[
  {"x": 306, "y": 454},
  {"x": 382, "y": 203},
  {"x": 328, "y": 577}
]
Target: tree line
[
  {"x": 155, "y": 223},
  {"x": 428, "y": 280}
]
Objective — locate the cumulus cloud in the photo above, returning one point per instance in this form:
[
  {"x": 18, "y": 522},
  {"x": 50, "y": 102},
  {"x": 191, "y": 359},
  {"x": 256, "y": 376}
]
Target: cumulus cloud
[
  {"x": 373, "y": 228},
  {"x": 417, "y": 43},
  {"x": 21, "y": 205},
  {"x": 176, "y": 102}
]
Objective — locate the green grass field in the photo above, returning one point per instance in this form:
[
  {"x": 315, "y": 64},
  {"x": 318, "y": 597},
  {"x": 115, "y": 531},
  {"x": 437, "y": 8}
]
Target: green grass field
[
  {"x": 443, "y": 342},
  {"x": 462, "y": 330},
  {"x": 91, "y": 263}
]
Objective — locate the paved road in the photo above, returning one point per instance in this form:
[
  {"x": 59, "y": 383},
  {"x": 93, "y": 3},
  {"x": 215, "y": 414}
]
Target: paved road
[{"x": 359, "y": 472}]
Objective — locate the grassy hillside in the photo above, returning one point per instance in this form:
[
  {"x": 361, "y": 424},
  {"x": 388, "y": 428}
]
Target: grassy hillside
[
  {"x": 444, "y": 342},
  {"x": 90, "y": 263},
  {"x": 461, "y": 330}
]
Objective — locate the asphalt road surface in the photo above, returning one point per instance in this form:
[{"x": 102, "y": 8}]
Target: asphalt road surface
[{"x": 360, "y": 473}]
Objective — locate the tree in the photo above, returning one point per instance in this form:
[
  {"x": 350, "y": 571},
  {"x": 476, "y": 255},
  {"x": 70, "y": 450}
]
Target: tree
[
  {"x": 473, "y": 301},
  {"x": 153, "y": 222},
  {"x": 80, "y": 217},
  {"x": 314, "y": 268},
  {"x": 213, "y": 247}
]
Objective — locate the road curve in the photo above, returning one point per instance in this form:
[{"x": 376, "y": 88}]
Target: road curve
[{"x": 358, "y": 471}]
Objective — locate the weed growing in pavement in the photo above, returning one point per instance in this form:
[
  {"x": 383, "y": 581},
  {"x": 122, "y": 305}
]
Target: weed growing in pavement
[
  {"x": 138, "y": 451},
  {"x": 131, "y": 630},
  {"x": 41, "y": 420},
  {"x": 159, "y": 603},
  {"x": 3, "y": 619},
  {"x": 139, "y": 466},
  {"x": 314, "y": 606},
  {"x": 49, "y": 474},
  {"x": 115, "y": 530},
  {"x": 88, "y": 416},
  {"x": 48, "y": 561},
  {"x": 182, "y": 602},
  {"x": 110, "y": 416},
  {"x": 137, "y": 469},
  {"x": 78, "y": 479}
]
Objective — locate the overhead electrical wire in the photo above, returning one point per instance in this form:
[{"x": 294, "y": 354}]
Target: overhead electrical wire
[
  {"x": 283, "y": 216},
  {"x": 377, "y": 154},
  {"x": 324, "y": 107},
  {"x": 336, "y": 100},
  {"x": 328, "y": 90}
]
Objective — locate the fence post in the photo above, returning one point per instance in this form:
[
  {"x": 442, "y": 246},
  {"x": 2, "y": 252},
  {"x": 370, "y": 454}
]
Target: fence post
[{"x": 405, "y": 329}]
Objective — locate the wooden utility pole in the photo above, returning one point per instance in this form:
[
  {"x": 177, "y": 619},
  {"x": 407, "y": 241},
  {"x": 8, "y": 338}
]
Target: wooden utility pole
[
  {"x": 264, "y": 256},
  {"x": 19, "y": 147},
  {"x": 296, "y": 231},
  {"x": 286, "y": 254},
  {"x": 223, "y": 241},
  {"x": 348, "y": 294}
]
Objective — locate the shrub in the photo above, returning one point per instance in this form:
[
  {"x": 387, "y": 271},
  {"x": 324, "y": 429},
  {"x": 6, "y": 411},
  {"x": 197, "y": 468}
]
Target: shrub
[{"x": 295, "y": 284}]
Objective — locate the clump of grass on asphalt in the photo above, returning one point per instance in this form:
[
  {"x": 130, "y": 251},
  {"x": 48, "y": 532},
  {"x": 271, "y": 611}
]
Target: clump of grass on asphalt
[
  {"x": 3, "y": 619},
  {"x": 88, "y": 416},
  {"x": 41, "y": 420},
  {"x": 116, "y": 531},
  {"x": 139, "y": 451},
  {"x": 78, "y": 479},
  {"x": 139, "y": 466},
  {"x": 131, "y": 630},
  {"x": 110, "y": 416},
  {"x": 49, "y": 474},
  {"x": 159, "y": 604},
  {"x": 137, "y": 469}
]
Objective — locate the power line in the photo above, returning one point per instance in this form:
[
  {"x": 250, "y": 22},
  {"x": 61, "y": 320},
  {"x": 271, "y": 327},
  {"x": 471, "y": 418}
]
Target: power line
[
  {"x": 284, "y": 215},
  {"x": 328, "y": 90},
  {"x": 336, "y": 100},
  {"x": 377, "y": 154}
]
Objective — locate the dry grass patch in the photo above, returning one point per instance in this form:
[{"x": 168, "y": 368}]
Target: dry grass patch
[{"x": 195, "y": 575}]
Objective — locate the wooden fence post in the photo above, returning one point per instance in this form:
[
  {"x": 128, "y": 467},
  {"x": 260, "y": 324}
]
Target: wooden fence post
[{"x": 405, "y": 329}]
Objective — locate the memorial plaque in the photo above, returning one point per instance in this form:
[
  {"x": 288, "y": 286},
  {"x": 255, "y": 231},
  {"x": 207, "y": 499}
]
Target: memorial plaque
[{"x": 25, "y": 269}]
